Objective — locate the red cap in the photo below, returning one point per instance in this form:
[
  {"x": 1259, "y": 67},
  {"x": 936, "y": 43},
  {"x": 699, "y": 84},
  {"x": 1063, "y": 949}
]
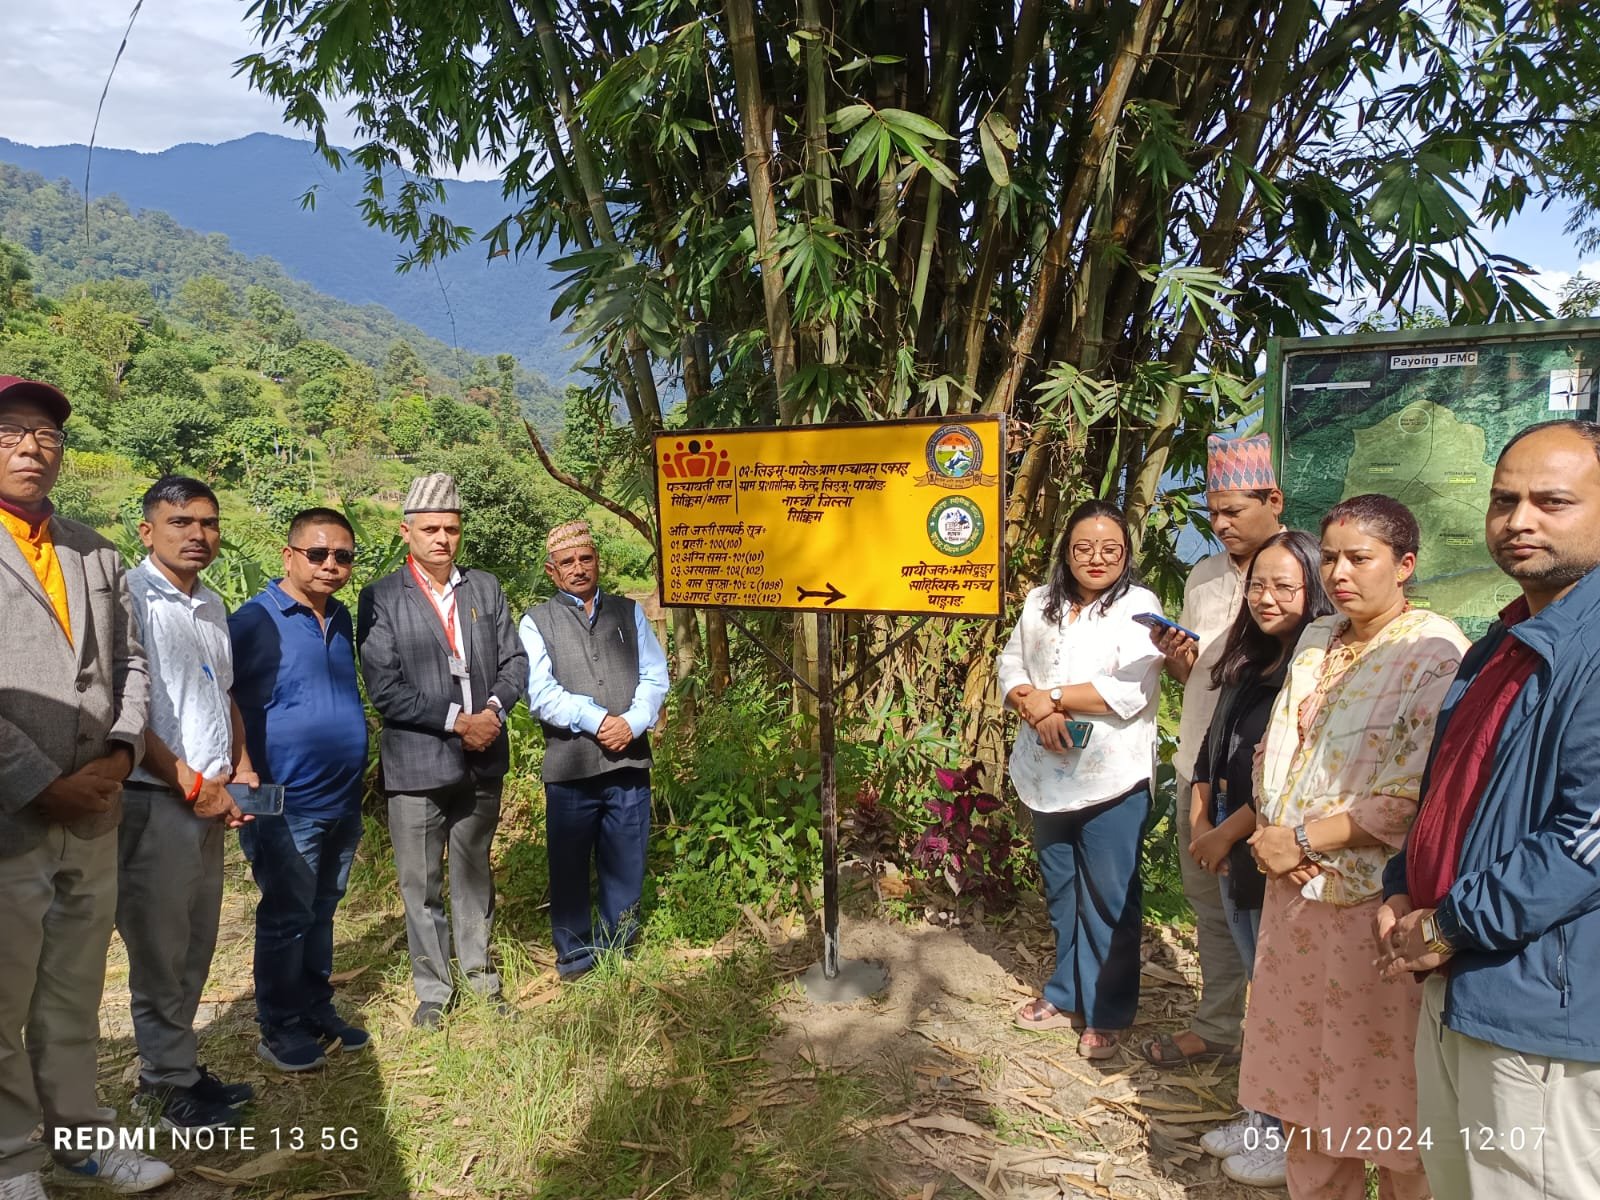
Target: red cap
[{"x": 13, "y": 387}]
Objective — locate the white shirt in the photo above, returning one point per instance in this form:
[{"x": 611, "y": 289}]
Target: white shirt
[
  {"x": 444, "y": 605},
  {"x": 1116, "y": 655},
  {"x": 1212, "y": 597},
  {"x": 191, "y": 670}
]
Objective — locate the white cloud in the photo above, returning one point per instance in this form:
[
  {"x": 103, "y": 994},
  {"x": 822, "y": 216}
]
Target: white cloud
[{"x": 175, "y": 82}]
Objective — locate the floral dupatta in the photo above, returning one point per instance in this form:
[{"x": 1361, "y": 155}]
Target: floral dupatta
[{"x": 1354, "y": 737}]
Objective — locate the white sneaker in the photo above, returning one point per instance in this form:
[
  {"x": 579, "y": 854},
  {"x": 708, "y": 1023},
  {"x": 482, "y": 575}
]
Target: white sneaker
[
  {"x": 1227, "y": 1140},
  {"x": 23, "y": 1187},
  {"x": 1262, "y": 1167},
  {"x": 118, "y": 1170}
]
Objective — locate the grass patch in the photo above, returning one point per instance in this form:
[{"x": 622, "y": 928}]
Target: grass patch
[{"x": 642, "y": 1079}]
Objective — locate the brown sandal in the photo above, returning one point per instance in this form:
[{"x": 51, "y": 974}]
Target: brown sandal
[
  {"x": 1103, "y": 1050},
  {"x": 1039, "y": 1013}
]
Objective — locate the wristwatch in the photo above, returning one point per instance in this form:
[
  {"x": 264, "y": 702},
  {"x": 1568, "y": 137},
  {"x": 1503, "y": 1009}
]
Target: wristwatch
[
  {"x": 1301, "y": 840},
  {"x": 1432, "y": 938},
  {"x": 1055, "y": 697}
]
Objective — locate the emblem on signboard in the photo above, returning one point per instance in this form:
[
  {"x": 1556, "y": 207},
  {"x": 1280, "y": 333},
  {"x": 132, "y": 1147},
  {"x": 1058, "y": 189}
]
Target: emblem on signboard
[
  {"x": 695, "y": 460},
  {"x": 955, "y": 459},
  {"x": 955, "y": 526}
]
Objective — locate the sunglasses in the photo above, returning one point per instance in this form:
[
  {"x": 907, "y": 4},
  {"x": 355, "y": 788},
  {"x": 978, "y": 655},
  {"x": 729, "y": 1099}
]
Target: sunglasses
[{"x": 317, "y": 555}]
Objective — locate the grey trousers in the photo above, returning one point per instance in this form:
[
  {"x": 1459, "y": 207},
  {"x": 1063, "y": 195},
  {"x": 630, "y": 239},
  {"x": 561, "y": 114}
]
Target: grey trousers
[
  {"x": 427, "y": 828},
  {"x": 169, "y": 899},
  {"x": 1504, "y": 1125},
  {"x": 57, "y": 902},
  {"x": 1218, "y": 1016}
]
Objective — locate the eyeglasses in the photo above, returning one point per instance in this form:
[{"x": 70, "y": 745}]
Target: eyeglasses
[
  {"x": 48, "y": 436},
  {"x": 1282, "y": 591},
  {"x": 1110, "y": 552},
  {"x": 317, "y": 555}
]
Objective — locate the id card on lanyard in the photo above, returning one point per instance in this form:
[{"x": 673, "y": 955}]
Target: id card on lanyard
[{"x": 445, "y": 608}]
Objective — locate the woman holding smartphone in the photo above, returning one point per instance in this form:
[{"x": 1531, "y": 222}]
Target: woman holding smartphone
[{"x": 1084, "y": 677}]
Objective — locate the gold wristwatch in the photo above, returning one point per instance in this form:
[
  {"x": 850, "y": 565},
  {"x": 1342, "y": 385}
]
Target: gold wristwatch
[{"x": 1432, "y": 938}]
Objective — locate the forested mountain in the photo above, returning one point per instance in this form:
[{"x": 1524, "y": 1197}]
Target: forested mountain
[
  {"x": 250, "y": 190},
  {"x": 151, "y": 249}
]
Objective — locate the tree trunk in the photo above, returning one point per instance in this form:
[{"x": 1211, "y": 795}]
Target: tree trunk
[
  {"x": 686, "y": 657},
  {"x": 754, "y": 116},
  {"x": 717, "y": 652}
]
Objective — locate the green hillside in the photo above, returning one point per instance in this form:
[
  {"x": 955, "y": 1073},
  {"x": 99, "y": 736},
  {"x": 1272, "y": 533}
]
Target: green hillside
[
  {"x": 227, "y": 380},
  {"x": 151, "y": 250}
]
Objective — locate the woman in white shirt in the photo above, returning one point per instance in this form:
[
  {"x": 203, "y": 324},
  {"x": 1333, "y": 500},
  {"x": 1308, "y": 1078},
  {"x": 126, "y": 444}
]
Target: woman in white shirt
[{"x": 1077, "y": 655}]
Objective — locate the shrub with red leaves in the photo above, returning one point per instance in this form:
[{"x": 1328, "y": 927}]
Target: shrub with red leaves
[{"x": 965, "y": 844}]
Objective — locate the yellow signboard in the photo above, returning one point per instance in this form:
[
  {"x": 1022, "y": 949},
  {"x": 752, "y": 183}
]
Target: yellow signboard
[{"x": 891, "y": 517}]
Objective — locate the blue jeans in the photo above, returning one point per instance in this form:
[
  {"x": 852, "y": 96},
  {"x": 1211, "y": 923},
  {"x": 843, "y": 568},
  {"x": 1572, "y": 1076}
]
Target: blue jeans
[
  {"x": 605, "y": 821},
  {"x": 1090, "y": 863},
  {"x": 1244, "y": 924},
  {"x": 301, "y": 866}
]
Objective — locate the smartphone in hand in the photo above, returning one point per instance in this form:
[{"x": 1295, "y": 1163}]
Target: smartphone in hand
[
  {"x": 1159, "y": 624},
  {"x": 1078, "y": 733},
  {"x": 266, "y": 800}
]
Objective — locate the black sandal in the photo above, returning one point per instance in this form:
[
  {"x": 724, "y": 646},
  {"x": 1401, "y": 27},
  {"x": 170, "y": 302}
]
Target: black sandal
[{"x": 1171, "y": 1055}]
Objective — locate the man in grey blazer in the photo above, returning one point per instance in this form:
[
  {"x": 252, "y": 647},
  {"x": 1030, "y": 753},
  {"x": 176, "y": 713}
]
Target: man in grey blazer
[
  {"x": 73, "y": 697},
  {"x": 443, "y": 666}
]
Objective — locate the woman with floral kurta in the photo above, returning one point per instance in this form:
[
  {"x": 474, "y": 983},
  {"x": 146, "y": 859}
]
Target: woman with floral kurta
[
  {"x": 1329, "y": 1043},
  {"x": 1078, "y": 655}
]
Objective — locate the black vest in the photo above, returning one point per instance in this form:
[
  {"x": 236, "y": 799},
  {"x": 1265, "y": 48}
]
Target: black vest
[{"x": 600, "y": 661}]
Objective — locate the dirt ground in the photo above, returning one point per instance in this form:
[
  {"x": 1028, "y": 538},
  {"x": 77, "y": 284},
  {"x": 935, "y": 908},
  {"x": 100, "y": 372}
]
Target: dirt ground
[
  {"x": 1119, "y": 1128},
  {"x": 981, "y": 1108}
]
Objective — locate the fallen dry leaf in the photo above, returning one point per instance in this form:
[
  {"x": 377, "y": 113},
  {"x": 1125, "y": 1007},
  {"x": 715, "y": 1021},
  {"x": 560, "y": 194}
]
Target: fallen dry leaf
[
  {"x": 738, "y": 1115},
  {"x": 339, "y": 977},
  {"x": 256, "y": 1168},
  {"x": 950, "y": 1124}
]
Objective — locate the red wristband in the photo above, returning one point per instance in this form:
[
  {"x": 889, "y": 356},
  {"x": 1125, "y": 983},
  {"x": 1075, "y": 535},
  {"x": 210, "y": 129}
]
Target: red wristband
[{"x": 194, "y": 790}]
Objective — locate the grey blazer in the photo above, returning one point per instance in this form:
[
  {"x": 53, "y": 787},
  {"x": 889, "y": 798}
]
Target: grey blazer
[
  {"x": 405, "y": 661},
  {"x": 63, "y": 704}
]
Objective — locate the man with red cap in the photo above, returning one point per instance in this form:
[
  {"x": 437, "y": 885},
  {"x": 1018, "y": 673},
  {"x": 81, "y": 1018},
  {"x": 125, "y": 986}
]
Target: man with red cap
[
  {"x": 597, "y": 677},
  {"x": 73, "y": 698}
]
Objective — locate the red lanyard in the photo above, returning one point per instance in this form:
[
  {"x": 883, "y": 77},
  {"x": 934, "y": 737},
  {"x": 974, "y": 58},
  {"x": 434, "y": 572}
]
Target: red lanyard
[{"x": 447, "y": 618}]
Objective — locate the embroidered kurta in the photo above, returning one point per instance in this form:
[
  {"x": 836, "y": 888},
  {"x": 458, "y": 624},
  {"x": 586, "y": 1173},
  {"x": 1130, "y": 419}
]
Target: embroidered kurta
[{"x": 1328, "y": 1043}]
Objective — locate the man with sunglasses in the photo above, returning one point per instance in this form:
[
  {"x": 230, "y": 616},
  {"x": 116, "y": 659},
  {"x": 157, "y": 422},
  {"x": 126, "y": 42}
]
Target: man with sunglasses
[
  {"x": 443, "y": 667},
  {"x": 305, "y": 728},
  {"x": 74, "y": 692}
]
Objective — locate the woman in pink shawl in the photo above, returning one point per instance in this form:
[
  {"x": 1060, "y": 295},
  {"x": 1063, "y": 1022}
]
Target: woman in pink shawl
[{"x": 1328, "y": 1047}]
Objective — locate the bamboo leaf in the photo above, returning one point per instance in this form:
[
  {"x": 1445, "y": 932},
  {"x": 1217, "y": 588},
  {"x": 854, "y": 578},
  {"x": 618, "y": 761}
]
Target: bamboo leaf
[{"x": 994, "y": 158}]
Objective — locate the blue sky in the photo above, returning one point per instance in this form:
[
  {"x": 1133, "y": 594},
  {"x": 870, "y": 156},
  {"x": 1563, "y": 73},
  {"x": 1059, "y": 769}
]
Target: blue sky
[{"x": 176, "y": 84}]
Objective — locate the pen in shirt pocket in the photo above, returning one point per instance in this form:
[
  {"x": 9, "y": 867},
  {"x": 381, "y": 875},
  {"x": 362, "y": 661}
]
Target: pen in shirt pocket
[{"x": 207, "y": 669}]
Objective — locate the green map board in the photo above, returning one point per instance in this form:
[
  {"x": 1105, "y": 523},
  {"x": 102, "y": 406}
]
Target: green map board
[{"x": 1421, "y": 416}]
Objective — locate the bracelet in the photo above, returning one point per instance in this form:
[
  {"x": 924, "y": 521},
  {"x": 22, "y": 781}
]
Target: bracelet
[{"x": 194, "y": 790}]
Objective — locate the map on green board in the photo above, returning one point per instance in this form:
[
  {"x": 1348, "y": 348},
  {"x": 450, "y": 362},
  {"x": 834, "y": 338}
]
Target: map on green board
[{"x": 1423, "y": 421}]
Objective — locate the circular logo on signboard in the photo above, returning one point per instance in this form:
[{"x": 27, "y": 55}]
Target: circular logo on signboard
[
  {"x": 955, "y": 452},
  {"x": 955, "y": 525}
]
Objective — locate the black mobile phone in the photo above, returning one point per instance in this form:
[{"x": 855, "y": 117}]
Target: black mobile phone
[
  {"x": 1160, "y": 624},
  {"x": 263, "y": 801},
  {"x": 1078, "y": 733}
]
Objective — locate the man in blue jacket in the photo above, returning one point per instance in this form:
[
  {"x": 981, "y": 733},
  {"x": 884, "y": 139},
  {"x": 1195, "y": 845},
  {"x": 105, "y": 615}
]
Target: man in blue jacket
[{"x": 1496, "y": 897}]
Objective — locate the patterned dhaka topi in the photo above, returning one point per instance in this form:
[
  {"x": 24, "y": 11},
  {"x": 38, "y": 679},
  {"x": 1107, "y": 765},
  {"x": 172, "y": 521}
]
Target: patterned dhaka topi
[
  {"x": 433, "y": 493},
  {"x": 1239, "y": 465}
]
